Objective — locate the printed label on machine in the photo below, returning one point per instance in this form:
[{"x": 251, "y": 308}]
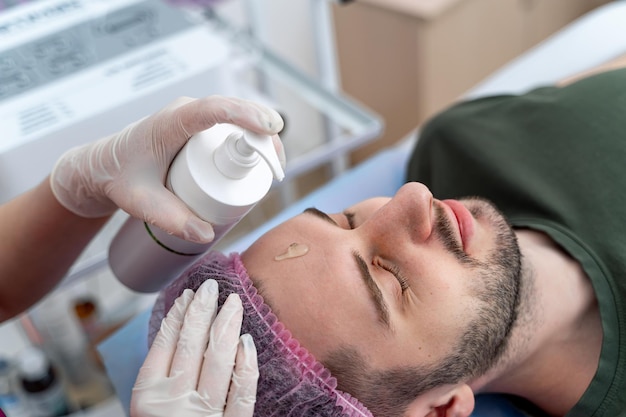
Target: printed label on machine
[{"x": 72, "y": 71}]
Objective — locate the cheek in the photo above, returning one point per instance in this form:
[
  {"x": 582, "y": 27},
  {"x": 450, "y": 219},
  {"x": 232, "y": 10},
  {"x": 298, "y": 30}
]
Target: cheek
[
  {"x": 448, "y": 316},
  {"x": 442, "y": 298}
]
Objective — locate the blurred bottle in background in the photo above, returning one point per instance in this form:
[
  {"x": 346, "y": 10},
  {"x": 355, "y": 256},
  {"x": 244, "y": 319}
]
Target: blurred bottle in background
[
  {"x": 65, "y": 334},
  {"x": 10, "y": 402},
  {"x": 41, "y": 387},
  {"x": 86, "y": 309}
]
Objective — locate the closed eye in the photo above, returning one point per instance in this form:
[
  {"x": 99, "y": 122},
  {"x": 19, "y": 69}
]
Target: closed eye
[
  {"x": 392, "y": 269},
  {"x": 395, "y": 271}
]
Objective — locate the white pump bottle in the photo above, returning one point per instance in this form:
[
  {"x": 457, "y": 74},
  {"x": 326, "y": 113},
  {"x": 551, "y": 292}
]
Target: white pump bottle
[{"x": 218, "y": 174}]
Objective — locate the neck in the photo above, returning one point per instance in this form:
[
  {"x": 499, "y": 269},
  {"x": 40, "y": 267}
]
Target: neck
[{"x": 555, "y": 345}]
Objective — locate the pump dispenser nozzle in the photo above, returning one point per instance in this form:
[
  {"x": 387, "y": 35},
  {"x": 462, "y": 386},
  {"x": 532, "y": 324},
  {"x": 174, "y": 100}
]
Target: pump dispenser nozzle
[
  {"x": 265, "y": 147},
  {"x": 240, "y": 152}
]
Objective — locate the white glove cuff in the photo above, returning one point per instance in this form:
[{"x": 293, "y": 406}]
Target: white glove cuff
[{"x": 71, "y": 188}]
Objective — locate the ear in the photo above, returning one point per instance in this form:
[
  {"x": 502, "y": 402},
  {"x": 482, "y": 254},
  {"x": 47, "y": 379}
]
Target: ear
[{"x": 447, "y": 401}]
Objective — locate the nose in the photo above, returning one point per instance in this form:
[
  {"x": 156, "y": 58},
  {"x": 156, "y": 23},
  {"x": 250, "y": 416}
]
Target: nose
[{"x": 408, "y": 216}]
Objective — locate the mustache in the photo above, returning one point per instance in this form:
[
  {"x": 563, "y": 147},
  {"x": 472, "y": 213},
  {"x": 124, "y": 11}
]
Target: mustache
[{"x": 445, "y": 231}]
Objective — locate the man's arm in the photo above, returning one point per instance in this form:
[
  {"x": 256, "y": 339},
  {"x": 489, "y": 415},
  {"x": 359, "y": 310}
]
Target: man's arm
[{"x": 39, "y": 241}]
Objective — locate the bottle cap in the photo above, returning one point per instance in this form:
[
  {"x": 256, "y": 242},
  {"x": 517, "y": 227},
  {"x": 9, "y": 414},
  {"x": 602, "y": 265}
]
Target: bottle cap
[
  {"x": 33, "y": 363},
  {"x": 240, "y": 152},
  {"x": 265, "y": 147}
]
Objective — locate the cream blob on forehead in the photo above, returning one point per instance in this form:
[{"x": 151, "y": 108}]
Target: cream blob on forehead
[{"x": 294, "y": 250}]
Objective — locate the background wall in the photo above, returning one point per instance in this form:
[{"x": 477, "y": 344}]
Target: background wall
[{"x": 408, "y": 59}]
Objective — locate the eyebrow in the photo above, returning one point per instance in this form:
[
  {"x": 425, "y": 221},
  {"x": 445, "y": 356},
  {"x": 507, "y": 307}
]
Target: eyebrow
[
  {"x": 375, "y": 292},
  {"x": 320, "y": 214},
  {"x": 373, "y": 288}
]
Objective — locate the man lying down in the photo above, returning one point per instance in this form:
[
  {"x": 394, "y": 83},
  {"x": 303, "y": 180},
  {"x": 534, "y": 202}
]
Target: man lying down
[
  {"x": 334, "y": 282},
  {"x": 414, "y": 303}
]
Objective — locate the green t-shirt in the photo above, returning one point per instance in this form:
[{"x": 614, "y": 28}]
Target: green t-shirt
[{"x": 553, "y": 159}]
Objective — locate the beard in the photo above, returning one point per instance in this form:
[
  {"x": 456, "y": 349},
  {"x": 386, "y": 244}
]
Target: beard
[{"x": 496, "y": 286}]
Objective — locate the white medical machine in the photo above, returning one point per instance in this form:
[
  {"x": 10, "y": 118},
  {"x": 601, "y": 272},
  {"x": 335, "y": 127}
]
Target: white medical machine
[{"x": 72, "y": 71}]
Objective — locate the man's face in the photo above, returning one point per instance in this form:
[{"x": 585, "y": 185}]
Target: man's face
[{"x": 398, "y": 279}]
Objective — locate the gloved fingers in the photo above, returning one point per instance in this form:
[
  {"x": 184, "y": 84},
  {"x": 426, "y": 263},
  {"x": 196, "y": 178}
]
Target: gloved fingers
[
  {"x": 242, "y": 393},
  {"x": 177, "y": 102},
  {"x": 169, "y": 129},
  {"x": 206, "y": 112},
  {"x": 274, "y": 117},
  {"x": 194, "y": 337},
  {"x": 219, "y": 359},
  {"x": 157, "y": 206},
  {"x": 159, "y": 358}
]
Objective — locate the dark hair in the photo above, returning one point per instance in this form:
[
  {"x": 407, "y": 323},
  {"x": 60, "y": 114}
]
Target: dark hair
[{"x": 389, "y": 392}]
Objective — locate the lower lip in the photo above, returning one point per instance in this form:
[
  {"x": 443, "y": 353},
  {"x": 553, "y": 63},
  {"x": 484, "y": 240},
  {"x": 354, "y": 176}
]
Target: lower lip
[{"x": 464, "y": 219}]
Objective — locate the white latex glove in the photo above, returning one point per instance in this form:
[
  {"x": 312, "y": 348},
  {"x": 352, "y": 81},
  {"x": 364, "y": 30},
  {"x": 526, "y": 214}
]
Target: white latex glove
[
  {"x": 128, "y": 169},
  {"x": 182, "y": 377}
]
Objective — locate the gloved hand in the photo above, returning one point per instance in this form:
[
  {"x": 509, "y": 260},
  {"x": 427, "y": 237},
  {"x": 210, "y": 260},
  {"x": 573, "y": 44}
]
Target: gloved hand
[
  {"x": 182, "y": 377},
  {"x": 128, "y": 169}
]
